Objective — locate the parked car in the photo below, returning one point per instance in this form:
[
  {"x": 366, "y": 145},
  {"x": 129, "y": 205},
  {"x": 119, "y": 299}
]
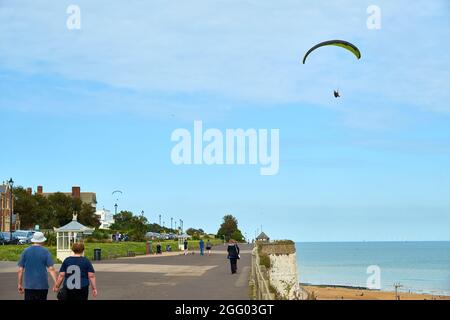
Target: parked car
[
  {"x": 23, "y": 236},
  {"x": 2, "y": 239},
  {"x": 5, "y": 238}
]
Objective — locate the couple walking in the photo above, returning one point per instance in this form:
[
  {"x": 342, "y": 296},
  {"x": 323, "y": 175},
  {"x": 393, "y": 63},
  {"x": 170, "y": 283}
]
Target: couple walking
[
  {"x": 201, "y": 245},
  {"x": 72, "y": 283}
]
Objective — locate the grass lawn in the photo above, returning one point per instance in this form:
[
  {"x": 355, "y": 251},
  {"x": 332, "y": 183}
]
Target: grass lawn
[{"x": 109, "y": 250}]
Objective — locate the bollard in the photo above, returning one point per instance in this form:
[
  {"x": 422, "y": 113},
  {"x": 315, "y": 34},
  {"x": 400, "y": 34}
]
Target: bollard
[{"x": 97, "y": 254}]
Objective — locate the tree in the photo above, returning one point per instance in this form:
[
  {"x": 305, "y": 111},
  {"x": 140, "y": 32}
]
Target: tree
[
  {"x": 229, "y": 228},
  {"x": 62, "y": 207},
  {"x": 87, "y": 216},
  {"x": 122, "y": 221},
  {"x": 195, "y": 233},
  {"x": 237, "y": 235},
  {"x": 134, "y": 226},
  {"x": 53, "y": 211},
  {"x": 25, "y": 205},
  {"x": 45, "y": 217}
]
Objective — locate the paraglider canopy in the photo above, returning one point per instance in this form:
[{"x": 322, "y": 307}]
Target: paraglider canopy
[{"x": 340, "y": 43}]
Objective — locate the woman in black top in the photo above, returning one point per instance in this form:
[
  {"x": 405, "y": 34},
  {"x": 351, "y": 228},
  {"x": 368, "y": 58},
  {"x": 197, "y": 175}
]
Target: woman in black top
[
  {"x": 233, "y": 255},
  {"x": 79, "y": 272}
]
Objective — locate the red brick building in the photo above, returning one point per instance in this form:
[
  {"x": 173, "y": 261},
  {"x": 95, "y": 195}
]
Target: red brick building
[
  {"x": 5, "y": 210},
  {"x": 85, "y": 197}
]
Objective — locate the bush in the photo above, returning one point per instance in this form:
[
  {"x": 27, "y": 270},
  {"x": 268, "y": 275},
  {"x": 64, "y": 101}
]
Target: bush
[
  {"x": 136, "y": 236},
  {"x": 51, "y": 238},
  {"x": 283, "y": 242},
  {"x": 264, "y": 260},
  {"x": 101, "y": 234}
]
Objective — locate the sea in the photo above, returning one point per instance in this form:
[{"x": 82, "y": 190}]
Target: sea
[{"x": 419, "y": 267}]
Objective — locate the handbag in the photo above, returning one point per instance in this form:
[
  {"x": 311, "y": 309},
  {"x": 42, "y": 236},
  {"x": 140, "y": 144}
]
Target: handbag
[{"x": 62, "y": 293}]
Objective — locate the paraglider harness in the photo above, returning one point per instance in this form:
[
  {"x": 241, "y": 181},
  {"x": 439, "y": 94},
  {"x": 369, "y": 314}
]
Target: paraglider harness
[{"x": 336, "y": 94}]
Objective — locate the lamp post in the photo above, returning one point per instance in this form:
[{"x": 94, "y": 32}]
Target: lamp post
[
  {"x": 171, "y": 223},
  {"x": 160, "y": 220},
  {"x": 11, "y": 184}
]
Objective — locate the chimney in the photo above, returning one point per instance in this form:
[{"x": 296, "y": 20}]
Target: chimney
[
  {"x": 29, "y": 191},
  {"x": 40, "y": 190},
  {"x": 76, "y": 192}
]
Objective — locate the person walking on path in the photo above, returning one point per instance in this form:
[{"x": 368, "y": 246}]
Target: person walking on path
[
  {"x": 202, "y": 247},
  {"x": 75, "y": 274},
  {"x": 158, "y": 248},
  {"x": 233, "y": 255},
  {"x": 208, "y": 247},
  {"x": 185, "y": 247},
  {"x": 34, "y": 265}
]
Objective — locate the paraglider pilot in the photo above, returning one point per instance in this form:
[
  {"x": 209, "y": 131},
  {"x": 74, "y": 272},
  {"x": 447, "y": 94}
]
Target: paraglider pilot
[{"x": 336, "y": 94}]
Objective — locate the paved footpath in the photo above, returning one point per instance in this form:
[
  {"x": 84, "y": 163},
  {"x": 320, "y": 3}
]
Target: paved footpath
[{"x": 171, "y": 276}]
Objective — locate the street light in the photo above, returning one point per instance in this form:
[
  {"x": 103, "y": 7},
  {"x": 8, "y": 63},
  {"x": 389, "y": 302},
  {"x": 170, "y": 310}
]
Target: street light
[
  {"x": 159, "y": 220},
  {"x": 11, "y": 184},
  {"x": 171, "y": 223}
]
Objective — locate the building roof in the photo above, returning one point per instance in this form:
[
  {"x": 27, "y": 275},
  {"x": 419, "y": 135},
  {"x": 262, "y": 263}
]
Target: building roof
[
  {"x": 262, "y": 236},
  {"x": 184, "y": 235},
  {"x": 74, "y": 225},
  {"x": 85, "y": 197}
]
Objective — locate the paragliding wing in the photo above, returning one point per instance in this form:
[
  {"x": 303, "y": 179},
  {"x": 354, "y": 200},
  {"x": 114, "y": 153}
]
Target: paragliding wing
[{"x": 340, "y": 43}]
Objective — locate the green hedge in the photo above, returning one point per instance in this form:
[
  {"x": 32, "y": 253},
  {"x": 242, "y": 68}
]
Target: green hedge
[{"x": 109, "y": 250}]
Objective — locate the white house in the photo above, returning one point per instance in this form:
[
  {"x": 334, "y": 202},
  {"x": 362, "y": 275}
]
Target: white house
[{"x": 105, "y": 217}]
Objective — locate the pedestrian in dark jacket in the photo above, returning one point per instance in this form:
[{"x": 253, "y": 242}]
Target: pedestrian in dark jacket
[
  {"x": 158, "y": 248},
  {"x": 75, "y": 276},
  {"x": 233, "y": 255},
  {"x": 185, "y": 245}
]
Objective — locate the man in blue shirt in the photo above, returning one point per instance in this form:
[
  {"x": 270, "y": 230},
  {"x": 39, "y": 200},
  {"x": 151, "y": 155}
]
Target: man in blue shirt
[{"x": 33, "y": 265}]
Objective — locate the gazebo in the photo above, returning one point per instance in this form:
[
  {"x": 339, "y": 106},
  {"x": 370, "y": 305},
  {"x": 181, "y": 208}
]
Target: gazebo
[
  {"x": 67, "y": 235},
  {"x": 181, "y": 238}
]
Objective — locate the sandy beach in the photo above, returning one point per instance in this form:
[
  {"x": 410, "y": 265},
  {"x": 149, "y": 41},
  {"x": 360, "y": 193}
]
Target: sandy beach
[{"x": 348, "y": 293}]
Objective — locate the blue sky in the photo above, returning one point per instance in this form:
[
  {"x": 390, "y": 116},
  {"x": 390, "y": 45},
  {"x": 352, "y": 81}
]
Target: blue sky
[{"x": 95, "y": 107}]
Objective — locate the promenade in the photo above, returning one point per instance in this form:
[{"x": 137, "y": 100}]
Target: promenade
[{"x": 171, "y": 276}]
